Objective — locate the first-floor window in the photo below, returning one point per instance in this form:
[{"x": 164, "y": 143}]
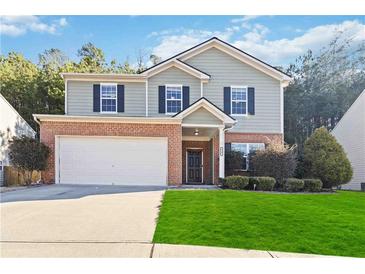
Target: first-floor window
[
  {"x": 108, "y": 97},
  {"x": 173, "y": 98},
  {"x": 247, "y": 149},
  {"x": 1, "y": 165}
]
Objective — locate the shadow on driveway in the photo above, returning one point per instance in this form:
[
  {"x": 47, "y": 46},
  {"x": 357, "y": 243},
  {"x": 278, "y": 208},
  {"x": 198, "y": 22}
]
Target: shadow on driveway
[{"x": 57, "y": 192}]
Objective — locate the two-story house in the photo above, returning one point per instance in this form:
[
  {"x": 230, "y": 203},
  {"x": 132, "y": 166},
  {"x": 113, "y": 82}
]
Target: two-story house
[{"x": 169, "y": 124}]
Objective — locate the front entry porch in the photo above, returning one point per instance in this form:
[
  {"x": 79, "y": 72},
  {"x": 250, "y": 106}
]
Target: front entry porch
[{"x": 203, "y": 133}]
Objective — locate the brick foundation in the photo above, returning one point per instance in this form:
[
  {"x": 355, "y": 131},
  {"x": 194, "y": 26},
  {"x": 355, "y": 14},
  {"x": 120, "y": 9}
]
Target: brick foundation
[{"x": 173, "y": 132}]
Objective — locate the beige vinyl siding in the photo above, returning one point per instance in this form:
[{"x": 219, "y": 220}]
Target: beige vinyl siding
[
  {"x": 226, "y": 71},
  {"x": 201, "y": 116},
  {"x": 172, "y": 75},
  {"x": 80, "y": 99},
  {"x": 350, "y": 133}
]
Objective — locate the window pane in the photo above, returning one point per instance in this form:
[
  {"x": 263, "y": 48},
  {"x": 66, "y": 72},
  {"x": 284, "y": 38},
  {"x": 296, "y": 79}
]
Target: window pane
[
  {"x": 173, "y": 92},
  {"x": 254, "y": 147},
  {"x": 238, "y": 94},
  {"x": 173, "y": 106},
  {"x": 238, "y": 108},
  {"x": 109, "y": 105},
  {"x": 108, "y": 91},
  {"x": 241, "y": 147}
]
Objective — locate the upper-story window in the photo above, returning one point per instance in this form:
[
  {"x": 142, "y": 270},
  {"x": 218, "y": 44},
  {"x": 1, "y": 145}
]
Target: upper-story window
[
  {"x": 108, "y": 97},
  {"x": 238, "y": 100},
  {"x": 173, "y": 99}
]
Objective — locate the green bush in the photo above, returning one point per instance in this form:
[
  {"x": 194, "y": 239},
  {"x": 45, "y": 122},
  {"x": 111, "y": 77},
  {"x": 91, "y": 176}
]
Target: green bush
[
  {"x": 293, "y": 185},
  {"x": 236, "y": 182},
  {"x": 252, "y": 181},
  {"x": 277, "y": 161},
  {"x": 312, "y": 185},
  {"x": 28, "y": 154},
  {"x": 265, "y": 183},
  {"x": 324, "y": 158}
]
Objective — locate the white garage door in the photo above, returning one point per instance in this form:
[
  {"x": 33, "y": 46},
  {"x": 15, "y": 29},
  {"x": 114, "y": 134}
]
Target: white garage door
[{"x": 108, "y": 160}]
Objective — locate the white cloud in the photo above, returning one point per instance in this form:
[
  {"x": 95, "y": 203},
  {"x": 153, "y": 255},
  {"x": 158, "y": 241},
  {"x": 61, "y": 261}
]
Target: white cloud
[
  {"x": 282, "y": 51},
  {"x": 63, "y": 22},
  {"x": 174, "y": 42},
  {"x": 19, "y": 25},
  {"x": 245, "y": 18},
  {"x": 254, "y": 40}
]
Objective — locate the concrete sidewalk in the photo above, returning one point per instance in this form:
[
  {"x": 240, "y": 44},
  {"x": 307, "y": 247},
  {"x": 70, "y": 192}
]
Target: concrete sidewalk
[{"x": 134, "y": 250}]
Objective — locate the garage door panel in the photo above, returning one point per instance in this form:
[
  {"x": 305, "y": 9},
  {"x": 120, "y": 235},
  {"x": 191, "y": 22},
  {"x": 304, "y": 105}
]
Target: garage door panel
[{"x": 105, "y": 160}]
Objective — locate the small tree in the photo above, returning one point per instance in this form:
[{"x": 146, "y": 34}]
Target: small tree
[
  {"x": 277, "y": 160},
  {"x": 28, "y": 154},
  {"x": 324, "y": 158}
]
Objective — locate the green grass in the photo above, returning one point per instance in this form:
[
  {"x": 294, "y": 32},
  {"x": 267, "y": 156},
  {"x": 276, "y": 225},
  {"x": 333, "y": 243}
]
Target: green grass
[{"x": 332, "y": 224}]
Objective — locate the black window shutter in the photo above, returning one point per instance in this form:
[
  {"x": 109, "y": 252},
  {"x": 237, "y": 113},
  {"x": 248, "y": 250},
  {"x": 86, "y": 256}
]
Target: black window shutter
[
  {"x": 186, "y": 97},
  {"x": 96, "y": 98},
  {"x": 161, "y": 99},
  {"x": 227, "y": 147},
  {"x": 227, "y": 100},
  {"x": 251, "y": 101},
  {"x": 120, "y": 96}
]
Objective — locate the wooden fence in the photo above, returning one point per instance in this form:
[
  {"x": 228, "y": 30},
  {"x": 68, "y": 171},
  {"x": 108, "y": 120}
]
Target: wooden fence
[{"x": 13, "y": 177}]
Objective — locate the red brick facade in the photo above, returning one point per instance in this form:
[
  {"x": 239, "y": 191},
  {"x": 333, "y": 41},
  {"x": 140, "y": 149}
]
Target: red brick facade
[
  {"x": 266, "y": 138},
  {"x": 173, "y": 132},
  {"x": 176, "y": 147}
]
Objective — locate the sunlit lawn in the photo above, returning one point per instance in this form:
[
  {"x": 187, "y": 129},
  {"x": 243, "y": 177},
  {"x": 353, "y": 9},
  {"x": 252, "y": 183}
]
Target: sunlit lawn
[{"x": 332, "y": 224}]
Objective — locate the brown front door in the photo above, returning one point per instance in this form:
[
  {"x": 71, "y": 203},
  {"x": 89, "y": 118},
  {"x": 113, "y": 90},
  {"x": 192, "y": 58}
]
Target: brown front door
[{"x": 194, "y": 166}]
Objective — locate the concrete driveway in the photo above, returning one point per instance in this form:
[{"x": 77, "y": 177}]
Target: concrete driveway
[{"x": 79, "y": 221}]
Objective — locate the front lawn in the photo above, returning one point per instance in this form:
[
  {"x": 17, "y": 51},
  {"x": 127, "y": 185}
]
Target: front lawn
[{"x": 332, "y": 224}]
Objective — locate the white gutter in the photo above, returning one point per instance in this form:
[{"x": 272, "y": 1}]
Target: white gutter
[{"x": 110, "y": 119}]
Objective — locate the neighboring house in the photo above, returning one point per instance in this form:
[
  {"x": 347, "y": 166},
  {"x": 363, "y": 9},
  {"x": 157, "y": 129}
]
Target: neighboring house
[
  {"x": 169, "y": 124},
  {"x": 350, "y": 133},
  {"x": 11, "y": 125}
]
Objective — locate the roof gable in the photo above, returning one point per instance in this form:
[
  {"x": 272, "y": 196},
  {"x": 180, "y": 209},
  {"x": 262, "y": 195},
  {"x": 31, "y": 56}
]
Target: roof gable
[
  {"x": 229, "y": 49},
  {"x": 204, "y": 103},
  {"x": 179, "y": 65},
  {"x": 201, "y": 115}
]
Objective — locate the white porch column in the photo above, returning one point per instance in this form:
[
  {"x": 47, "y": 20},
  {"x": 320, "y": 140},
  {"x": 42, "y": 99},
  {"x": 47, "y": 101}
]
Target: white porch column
[{"x": 221, "y": 152}]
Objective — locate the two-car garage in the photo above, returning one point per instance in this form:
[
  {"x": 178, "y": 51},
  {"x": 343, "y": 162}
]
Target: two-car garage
[{"x": 111, "y": 160}]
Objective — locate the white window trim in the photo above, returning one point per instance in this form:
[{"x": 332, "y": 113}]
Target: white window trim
[
  {"x": 173, "y": 85},
  {"x": 248, "y": 151},
  {"x": 116, "y": 97},
  {"x": 245, "y": 101}
]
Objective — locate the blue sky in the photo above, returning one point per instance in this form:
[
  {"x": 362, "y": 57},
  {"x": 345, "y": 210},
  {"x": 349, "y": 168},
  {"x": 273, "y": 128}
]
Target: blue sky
[{"x": 277, "y": 40}]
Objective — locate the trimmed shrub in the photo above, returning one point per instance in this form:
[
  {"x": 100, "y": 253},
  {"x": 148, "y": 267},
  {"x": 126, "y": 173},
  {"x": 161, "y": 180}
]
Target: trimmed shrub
[
  {"x": 324, "y": 158},
  {"x": 312, "y": 185},
  {"x": 265, "y": 183},
  {"x": 277, "y": 161},
  {"x": 236, "y": 182},
  {"x": 252, "y": 182},
  {"x": 293, "y": 185},
  {"x": 262, "y": 183}
]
